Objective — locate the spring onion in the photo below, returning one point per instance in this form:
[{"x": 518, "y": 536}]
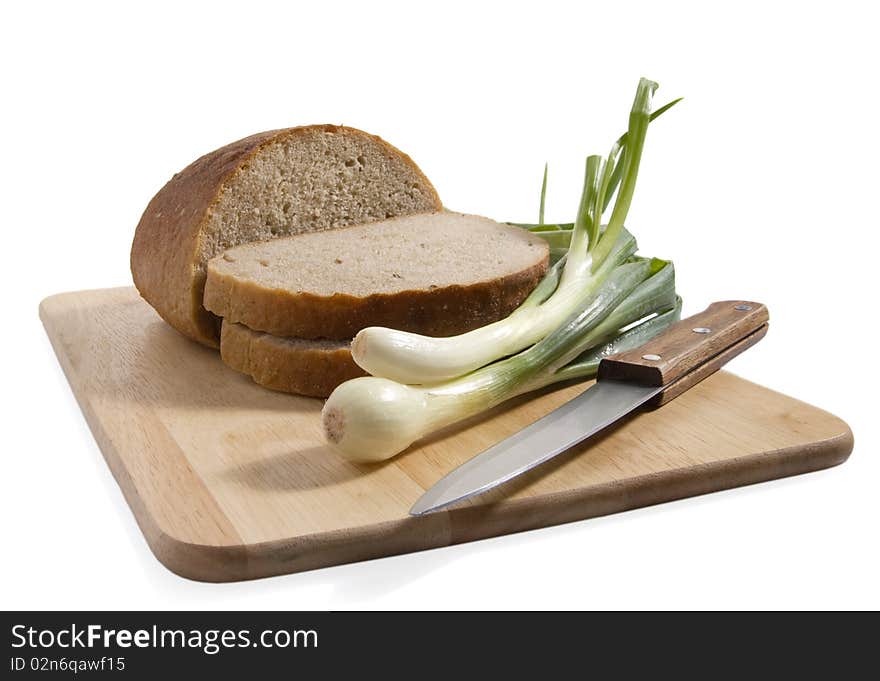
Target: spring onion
[
  {"x": 594, "y": 254},
  {"x": 597, "y": 298},
  {"x": 373, "y": 418}
]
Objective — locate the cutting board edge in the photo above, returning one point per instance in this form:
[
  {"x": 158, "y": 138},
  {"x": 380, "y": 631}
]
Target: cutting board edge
[
  {"x": 201, "y": 562},
  {"x": 473, "y": 523},
  {"x": 658, "y": 488},
  {"x": 239, "y": 561}
]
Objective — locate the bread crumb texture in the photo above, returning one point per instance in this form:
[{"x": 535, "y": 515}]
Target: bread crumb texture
[
  {"x": 439, "y": 273},
  {"x": 311, "y": 182},
  {"x": 266, "y": 186},
  {"x": 405, "y": 254}
]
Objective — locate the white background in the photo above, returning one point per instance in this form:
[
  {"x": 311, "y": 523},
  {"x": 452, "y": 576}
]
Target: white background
[{"x": 762, "y": 184}]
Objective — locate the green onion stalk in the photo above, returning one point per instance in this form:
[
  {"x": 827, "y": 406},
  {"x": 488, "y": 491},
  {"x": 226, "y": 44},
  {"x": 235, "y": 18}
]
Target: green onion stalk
[{"x": 588, "y": 252}]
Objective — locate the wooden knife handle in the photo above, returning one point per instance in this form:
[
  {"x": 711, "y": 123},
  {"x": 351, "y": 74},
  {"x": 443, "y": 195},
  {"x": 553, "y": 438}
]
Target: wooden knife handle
[{"x": 691, "y": 349}]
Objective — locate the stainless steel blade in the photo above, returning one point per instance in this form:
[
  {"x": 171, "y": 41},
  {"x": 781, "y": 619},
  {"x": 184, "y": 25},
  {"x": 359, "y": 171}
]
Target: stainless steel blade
[{"x": 573, "y": 422}]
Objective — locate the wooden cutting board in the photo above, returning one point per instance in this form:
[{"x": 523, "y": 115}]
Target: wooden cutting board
[{"x": 231, "y": 481}]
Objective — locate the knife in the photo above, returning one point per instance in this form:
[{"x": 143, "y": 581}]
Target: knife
[{"x": 647, "y": 377}]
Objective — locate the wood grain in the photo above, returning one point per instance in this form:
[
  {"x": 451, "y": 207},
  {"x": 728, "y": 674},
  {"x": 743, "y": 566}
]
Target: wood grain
[
  {"x": 230, "y": 481},
  {"x": 687, "y": 344},
  {"x": 690, "y": 379}
]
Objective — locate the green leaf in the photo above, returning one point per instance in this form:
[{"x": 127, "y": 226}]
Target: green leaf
[
  {"x": 587, "y": 364},
  {"x": 596, "y": 200},
  {"x": 546, "y": 227},
  {"x": 639, "y": 117},
  {"x": 557, "y": 238},
  {"x": 615, "y": 165},
  {"x": 543, "y": 197},
  {"x": 586, "y": 228}
]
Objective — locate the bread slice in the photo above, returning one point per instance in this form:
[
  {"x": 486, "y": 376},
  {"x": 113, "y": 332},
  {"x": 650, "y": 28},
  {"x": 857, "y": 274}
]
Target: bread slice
[
  {"x": 292, "y": 365},
  {"x": 269, "y": 185},
  {"x": 438, "y": 274}
]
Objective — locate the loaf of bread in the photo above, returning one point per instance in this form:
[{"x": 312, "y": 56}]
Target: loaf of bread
[
  {"x": 292, "y": 365},
  {"x": 266, "y": 186},
  {"x": 438, "y": 274}
]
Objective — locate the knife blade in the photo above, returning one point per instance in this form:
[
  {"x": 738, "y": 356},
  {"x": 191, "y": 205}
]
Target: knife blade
[{"x": 650, "y": 376}]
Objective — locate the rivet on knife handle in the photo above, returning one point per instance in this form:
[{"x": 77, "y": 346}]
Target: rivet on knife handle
[{"x": 690, "y": 350}]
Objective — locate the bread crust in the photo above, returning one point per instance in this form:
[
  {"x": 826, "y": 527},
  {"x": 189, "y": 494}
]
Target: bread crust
[
  {"x": 279, "y": 365},
  {"x": 445, "y": 311},
  {"x": 167, "y": 241}
]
